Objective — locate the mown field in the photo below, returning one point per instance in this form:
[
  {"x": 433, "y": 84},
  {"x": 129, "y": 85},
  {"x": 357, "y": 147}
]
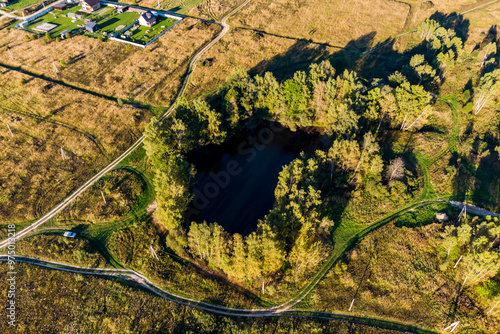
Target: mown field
[
  {"x": 152, "y": 75},
  {"x": 402, "y": 272},
  {"x": 43, "y": 118},
  {"x": 72, "y": 303}
]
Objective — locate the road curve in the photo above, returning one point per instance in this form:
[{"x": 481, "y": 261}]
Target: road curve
[
  {"x": 62, "y": 205},
  {"x": 140, "y": 280}
]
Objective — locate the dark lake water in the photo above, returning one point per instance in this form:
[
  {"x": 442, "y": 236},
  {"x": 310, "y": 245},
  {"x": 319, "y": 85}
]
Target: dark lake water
[{"x": 236, "y": 180}]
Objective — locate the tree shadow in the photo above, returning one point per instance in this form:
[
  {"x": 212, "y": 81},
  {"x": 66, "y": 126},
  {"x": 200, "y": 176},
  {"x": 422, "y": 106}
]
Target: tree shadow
[
  {"x": 453, "y": 21},
  {"x": 298, "y": 57}
]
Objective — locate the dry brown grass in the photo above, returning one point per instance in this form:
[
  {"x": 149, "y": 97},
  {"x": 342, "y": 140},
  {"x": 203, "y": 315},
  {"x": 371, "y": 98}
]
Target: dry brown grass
[
  {"x": 336, "y": 22},
  {"x": 152, "y": 75},
  {"x": 479, "y": 20},
  {"x": 91, "y": 130},
  {"x": 208, "y": 9}
]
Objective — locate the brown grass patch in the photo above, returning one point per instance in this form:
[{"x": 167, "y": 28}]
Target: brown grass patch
[{"x": 336, "y": 22}]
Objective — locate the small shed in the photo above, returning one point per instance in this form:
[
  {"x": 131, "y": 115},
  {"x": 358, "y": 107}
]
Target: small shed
[
  {"x": 74, "y": 16},
  {"x": 63, "y": 34},
  {"x": 91, "y": 26},
  {"x": 121, "y": 9},
  {"x": 60, "y": 6}
]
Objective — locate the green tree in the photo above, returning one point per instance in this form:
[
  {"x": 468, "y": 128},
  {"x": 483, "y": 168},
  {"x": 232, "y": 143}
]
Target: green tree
[
  {"x": 172, "y": 186},
  {"x": 485, "y": 90}
]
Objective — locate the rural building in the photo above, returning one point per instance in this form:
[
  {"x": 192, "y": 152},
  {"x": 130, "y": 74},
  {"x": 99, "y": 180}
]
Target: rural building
[
  {"x": 90, "y": 6},
  {"x": 91, "y": 26},
  {"x": 60, "y": 6},
  {"x": 74, "y": 16},
  {"x": 147, "y": 19}
]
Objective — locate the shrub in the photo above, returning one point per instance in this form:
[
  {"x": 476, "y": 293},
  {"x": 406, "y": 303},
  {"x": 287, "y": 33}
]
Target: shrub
[
  {"x": 48, "y": 38},
  {"x": 58, "y": 39},
  {"x": 427, "y": 5},
  {"x": 63, "y": 63},
  {"x": 23, "y": 81},
  {"x": 67, "y": 35}
]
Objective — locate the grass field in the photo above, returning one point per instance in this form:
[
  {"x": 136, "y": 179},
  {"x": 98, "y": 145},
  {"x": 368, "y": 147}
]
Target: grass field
[
  {"x": 336, "y": 22},
  {"x": 113, "y": 68},
  {"x": 62, "y": 302},
  {"x": 398, "y": 273},
  {"x": 19, "y": 4},
  {"x": 111, "y": 24},
  {"x": 43, "y": 118}
]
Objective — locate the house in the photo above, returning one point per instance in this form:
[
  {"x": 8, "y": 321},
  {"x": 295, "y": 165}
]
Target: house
[
  {"x": 60, "y": 6},
  {"x": 90, "y": 6},
  {"x": 91, "y": 26},
  {"x": 137, "y": 10},
  {"x": 74, "y": 16},
  {"x": 147, "y": 19}
]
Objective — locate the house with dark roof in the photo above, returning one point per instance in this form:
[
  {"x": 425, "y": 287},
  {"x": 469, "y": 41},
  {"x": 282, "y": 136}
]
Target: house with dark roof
[
  {"x": 60, "y": 6},
  {"x": 91, "y": 26},
  {"x": 147, "y": 19},
  {"x": 90, "y": 6}
]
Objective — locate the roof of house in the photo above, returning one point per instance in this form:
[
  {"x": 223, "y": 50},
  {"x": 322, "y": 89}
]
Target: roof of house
[
  {"x": 60, "y": 5},
  {"x": 65, "y": 32},
  {"x": 148, "y": 17},
  {"x": 91, "y": 2},
  {"x": 90, "y": 24}
]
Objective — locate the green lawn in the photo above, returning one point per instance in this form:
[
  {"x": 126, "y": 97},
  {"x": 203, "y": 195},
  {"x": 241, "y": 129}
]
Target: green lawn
[
  {"x": 19, "y": 5},
  {"x": 141, "y": 34}
]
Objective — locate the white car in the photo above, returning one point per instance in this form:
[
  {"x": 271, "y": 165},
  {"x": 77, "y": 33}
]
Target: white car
[{"x": 69, "y": 234}]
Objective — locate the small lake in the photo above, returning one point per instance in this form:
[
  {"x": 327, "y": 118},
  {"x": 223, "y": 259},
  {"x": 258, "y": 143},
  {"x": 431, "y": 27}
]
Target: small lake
[{"x": 236, "y": 180}]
